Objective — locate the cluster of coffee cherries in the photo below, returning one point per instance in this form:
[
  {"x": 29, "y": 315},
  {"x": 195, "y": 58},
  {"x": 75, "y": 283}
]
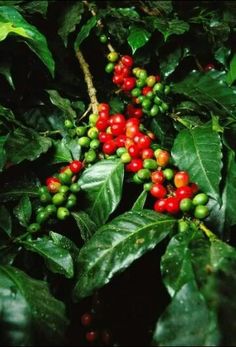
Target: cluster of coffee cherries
[
  {"x": 58, "y": 196},
  {"x": 146, "y": 91},
  {"x": 92, "y": 333}
]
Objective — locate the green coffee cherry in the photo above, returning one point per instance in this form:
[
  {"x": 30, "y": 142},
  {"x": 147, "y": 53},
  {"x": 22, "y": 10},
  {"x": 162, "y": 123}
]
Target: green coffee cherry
[
  {"x": 121, "y": 151},
  {"x": 150, "y": 164},
  {"x": 113, "y": 57},
  {"x": 92, "y": 119},
  {"x": 93, "y": 133},
  {"x": 168, "y": 173},
  {"x": 51, "y": 209},
  {"x": 84, "y": 141},
  {"x": 147, "y": 186},
  {"x": 43, "y": 189},
  {"x": 201, "y": 211},
  {"x": 125, "y": 158},
  {"x": 68, "y": 124},
  {"x": 200, "y": 199},
  {"x": 186, "y": 205},
  {"x": 90, "y": 156},
  {"x": 158, "y": 88},
  {"x": 183, "y": 226},
  {"x": 63, "y": 189},
  {"x": 75, "y": 187},
  {"x": 154, "y": 110},
  {"x": 94, "y": 144},
  {"x": 58, "y": 199},
  {"x": 33, "y": 228},
  {"x": 136, "y": 92},
  {"x": 45, "y": 198},
  {"x": 65, "y": 178},
  {"x": 109, "y": 67},
  {"x": 144, "y": 174},
  {"x": 80, "y": 131},
  {"x": 63, "y": 213},
  {"x": 103, "y": 38},
  {"x": 42, "y": 217},
  {"x": 136, "y": 179}
]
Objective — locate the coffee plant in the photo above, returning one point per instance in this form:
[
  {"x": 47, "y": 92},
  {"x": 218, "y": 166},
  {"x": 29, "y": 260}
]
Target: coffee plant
[{"x": 118, "y": 173}]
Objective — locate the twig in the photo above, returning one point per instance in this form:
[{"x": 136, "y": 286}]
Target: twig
[
  {"x": 99, "y": 23},
  {"x": 50, "y": 132},
  {"x": 147, "y": 10},
  {"x": 89, "y": 81},
  {"x": 85, "y": 113},
  {"x": 200, "y": 68}
]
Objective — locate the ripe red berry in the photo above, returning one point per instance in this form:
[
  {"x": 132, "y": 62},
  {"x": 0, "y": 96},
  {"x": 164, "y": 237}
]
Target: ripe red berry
[
  {"x": 138, "y": 112},
  {"x": 86, "y": 319},
  {"x": 158, "y": 191},
  {"x": 129, "y": 83},
  {"x": 160, "y": 205},
  {"x": 120, "y": 140},
  {"x": 184, "y": 192},
  {"x": 157, "y": 177},
  {"x": 132, "y": 121},
  {"x": 135, "y": 165},
  {"x": 132, "y": 131},
  {"x": 91, "y": 336},
  {"x": 101, "y": 125},
  {"x": 181, "y": 179},
  {"x": 103, "y": 107},
  {"x": 146, "y": 90},
  {"x": 209, "y": 67},
  {"x": 134, "y": 151},
  {"x": 147, "y": 153},
  {"x": 76, "y": 166},
  {"x": 144, "y": 142},
  {"x": 63, "y": 169},
  {"x": 117, "y": 129},
  {"x": 194, "y": 187},
  {"x": 104, "y": 137},
  {"x": 117, "y": 118},
  {"x": 118, "y": 69},
  {"x": 118, "y": 79},
  {"x": 50, "y": 180},
  {"x": 106, "y": 337},
  {"x": 109, "y": 147},
  {"x": 127, "y": 61},
  {"x": 103, "y": 115},
  {"x": 172, "y": 205},
  {"x": 163, "y": 158}
]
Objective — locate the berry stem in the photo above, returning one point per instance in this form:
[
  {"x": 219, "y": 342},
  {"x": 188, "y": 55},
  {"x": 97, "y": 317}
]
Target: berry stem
[
  {"x": 86, "y": 112},
  {"x": 49, "y": 132},
  {"x": 200, "y": 68},
  {"x": 89, "y": 80},
  {"x": 207, "y": 231}
]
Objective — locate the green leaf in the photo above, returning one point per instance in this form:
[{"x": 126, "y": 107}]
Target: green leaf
[
  {"x": 25, "y": 144},
  {"x": 169, "y": 64},
  {"x": 57, "y": 259},
  {"x": 208, "y": 92},
  {"x": 5, "y": 220},
  {"x": 65, "y": 243},
  {"x": 169, "y": 27},
  {"x": 62, "y": 103},
  {"x": 40, "y": 6},
  {"x": 5, "y": 70},
  {"x": 23, "y": 210},
  {"x": 11, "y": 21},
  {"x": 122, "y": 13},
  {"x": 176, "y": 264},
  {"x": 187, "y": 321},
  {"x": 85, "y": 224},
  {"x": 3, "y": 140},
  {"x": 138, "y": 37},
  {"x": 102, "y": 183},
  {"x": 199, "y": 152},
  {"x": 71, "y": 17},
  {"x": 117, "y": 105},
  {"x": 229, "y": 193},
  {"x": 140, "y": 202},
  {"x": 231, "y": 75},
  {"x": 28, "y": 311},
  {"x": 222, "y": 54},
  {"x": 116, "y": 245},
  {"x": 84, "y": 32},
  {"x": 25, "y": 185},
  {"x": 62, "y": 152},
  {"x": 164, "y": 131}
]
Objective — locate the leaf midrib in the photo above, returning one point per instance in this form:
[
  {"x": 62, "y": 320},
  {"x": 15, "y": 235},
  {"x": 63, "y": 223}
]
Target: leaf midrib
[{"x": 128, "y": 237}]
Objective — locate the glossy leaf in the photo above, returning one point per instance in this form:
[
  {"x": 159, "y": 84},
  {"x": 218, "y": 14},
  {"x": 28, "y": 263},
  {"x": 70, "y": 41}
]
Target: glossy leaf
[
  {"x": 116, "y": 245},
  {"x": 2, "y": 152},
  {"x": 117, "y": 105},
  {"x": 140, "y": 202},
  {"x": 36, "y": 6},
  {"x": 23, "y": 210},
  {"x": 85, "y": 224},
  {"x": 137, "y": 38},
  {"x": 71, "y": 18},
  {"x": 231, "y": 75},
  {"x": 64, "y": 242},
  {"x": 62, "y": 103},
  {"x": 84, "y": 32},
  {"x": 187, "y": 321},
  {"x": 28, "y": 311},
  {"x": 229, "y": 203},
  {"x": 58, "y": 259},
  {"x": 176, "y": 266},
  {"x": 11, "y": 21},
  {"x": 208, "y": 92},
  {"x": 5, "y": 220},
  {"x": 61, "y": 153},
  {"x": 25, "y": 144},
  {"x": 199, "y": 152},
  {"x": 222, "y": 54},
  {"x": 102, "y": 183},
  {"x": 172, "y": 61},
  {"x": 169, "y": 27}
]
